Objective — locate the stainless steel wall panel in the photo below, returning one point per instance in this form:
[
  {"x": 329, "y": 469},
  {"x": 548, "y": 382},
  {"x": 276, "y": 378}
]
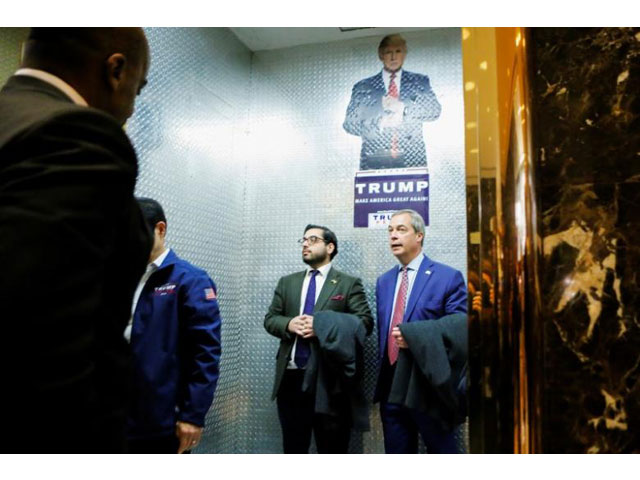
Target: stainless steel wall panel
[
  {"x": 243, "y": 150},
  {"x": 300, "y": 170},
  {"x": 188, "y": 123}
]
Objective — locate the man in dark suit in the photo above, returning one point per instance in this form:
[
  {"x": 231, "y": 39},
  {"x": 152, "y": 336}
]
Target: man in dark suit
[
  {"x": 418, "y": 289},
  {"x": 73, "y": 243},
  {"x": 388, "y": 109},
  {"x": 290, "y": 318}
]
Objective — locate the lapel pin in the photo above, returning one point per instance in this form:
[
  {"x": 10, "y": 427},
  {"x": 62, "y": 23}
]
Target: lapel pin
[
  {"x": 334, "y": 281},
  {"x": 428, "y": 272}
]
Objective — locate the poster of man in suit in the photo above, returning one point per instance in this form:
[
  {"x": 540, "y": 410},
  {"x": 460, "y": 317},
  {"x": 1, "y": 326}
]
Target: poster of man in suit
[{"x": 388, "y": 110}]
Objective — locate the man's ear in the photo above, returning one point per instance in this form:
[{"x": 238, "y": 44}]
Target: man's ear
[
  {"x": 161, "y": 229},
  {"x": 115, "y": 69},
  {"x": 330, "y": 248}
]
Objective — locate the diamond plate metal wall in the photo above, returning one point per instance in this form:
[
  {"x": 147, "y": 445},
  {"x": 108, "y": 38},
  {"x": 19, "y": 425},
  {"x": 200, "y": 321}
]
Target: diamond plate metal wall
[
  {"x": 300, "y": 168},
  {"x": 188, "y": 123},
  {"x": 243, "y": 150}
]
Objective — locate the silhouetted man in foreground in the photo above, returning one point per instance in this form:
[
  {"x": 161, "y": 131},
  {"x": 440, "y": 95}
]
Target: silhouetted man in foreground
[{"x": 73, "y": 243}]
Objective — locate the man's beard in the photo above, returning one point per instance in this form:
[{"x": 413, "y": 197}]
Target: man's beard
[{"x": 315, "y": 259}]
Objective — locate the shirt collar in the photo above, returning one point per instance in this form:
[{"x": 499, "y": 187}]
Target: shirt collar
[
  {"x": 323, "y": 270},
  {"x": 415, "y": 263},
  {"x": 57, "y": 82},
  {"x": 157, "y": 263},
  {"x": 386, "y": 75}
]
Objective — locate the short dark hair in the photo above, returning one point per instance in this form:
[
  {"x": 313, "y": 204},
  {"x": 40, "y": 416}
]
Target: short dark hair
[
  {"x": 151, "y": 211},
  {"x": 328, "y": 236},
  {"x": 392, "y": 39},
  {"x": 72, "y": 47}
]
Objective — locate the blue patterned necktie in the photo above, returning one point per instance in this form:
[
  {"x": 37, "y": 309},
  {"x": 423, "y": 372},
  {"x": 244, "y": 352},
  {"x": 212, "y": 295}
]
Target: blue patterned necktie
[{"x": 302, "y": 348}]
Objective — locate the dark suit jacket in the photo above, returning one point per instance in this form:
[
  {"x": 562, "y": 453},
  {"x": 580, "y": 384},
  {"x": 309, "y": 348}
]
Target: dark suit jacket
[
  {"x": 365, "y": 112},
  {"x": 73, "y": 246},
  {"x": 340, "y": 293},
  {"x": 438, "y": 290},
  {"x": 336, "y": 366},
  {"x": 430, "y": 375}
]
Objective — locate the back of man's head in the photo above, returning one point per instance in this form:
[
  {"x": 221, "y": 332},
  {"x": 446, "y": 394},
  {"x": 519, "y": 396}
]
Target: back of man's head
[
  {"x": 152, "y": 211},
  {"x": 93, "y": 61}
]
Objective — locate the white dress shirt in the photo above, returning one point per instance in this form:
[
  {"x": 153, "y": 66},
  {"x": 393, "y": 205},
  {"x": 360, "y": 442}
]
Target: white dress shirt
[
  {"x": 412, "y": 272},
  {"x": 57, "y": 82},
  {"x": 152, "y": 267},
  {"x": 320, "y": 278}
]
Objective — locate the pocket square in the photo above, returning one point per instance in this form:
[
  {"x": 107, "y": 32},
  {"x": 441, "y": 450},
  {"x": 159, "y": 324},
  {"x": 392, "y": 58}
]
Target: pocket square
[{"x": 337, "y": 297}]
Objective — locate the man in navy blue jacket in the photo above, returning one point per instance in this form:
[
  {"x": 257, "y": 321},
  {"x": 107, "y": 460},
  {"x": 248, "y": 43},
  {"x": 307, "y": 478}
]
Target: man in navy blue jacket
[
  {"x": 175, "y": 340},
  {"x": 387, "y": 110},
  {"x": 418, "y": 289}
]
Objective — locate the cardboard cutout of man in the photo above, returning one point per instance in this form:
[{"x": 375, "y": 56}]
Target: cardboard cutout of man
[{"x": 388, "y": 109}]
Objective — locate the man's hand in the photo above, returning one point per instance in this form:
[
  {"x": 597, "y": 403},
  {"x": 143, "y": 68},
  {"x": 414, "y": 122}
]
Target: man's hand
[
  {"x": 308, "y": 327},
  {"x": 397, "y": 335},
  {"x": 393, "y": 112},
  {"x": 188, "y": 435},
  {"x": 297, "y": 325},
  {"x": 392, "y": 105},
  {"x": 390, "y": 120}
]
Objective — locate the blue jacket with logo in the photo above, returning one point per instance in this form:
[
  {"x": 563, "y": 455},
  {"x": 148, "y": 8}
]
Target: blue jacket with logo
[{"x": 175, "y": 340}]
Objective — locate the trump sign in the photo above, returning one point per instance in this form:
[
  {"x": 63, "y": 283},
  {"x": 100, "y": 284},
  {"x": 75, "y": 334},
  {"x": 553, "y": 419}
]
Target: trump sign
[{"x": 379, "y": 193}]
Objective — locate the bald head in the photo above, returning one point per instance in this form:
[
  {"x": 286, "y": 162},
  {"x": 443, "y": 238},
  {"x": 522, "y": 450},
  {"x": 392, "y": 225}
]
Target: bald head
[{"x": 107, "y": 66}]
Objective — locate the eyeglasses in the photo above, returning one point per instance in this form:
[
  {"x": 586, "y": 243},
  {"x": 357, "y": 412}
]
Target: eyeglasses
[{"x": 312, "y": 240}]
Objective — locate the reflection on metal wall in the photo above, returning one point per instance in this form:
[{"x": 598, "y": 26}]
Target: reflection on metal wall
[
  {"x": 504, "y": 245},
  {"x": 186, "y": 130},
  {"x": 300, "y": 170}
]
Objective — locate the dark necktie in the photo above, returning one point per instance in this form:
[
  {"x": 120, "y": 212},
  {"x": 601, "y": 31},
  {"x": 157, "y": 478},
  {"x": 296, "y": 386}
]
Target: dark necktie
[
  {"x": 398, "y": 314},
  {"x": 302, "y": 348}
]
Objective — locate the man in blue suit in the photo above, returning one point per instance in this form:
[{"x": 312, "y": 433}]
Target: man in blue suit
[
  {"x": 388, "y": 109},
  {"x": 175, "y": 340},
  {"x": 415, "y": 290}
]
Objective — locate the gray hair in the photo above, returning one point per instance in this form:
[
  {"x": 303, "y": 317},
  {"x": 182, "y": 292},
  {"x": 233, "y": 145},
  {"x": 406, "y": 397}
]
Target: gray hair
[{"x": 417, "y": 222}]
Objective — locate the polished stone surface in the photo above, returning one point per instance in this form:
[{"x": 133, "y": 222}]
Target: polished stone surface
[{"x": 586, "y": 105}]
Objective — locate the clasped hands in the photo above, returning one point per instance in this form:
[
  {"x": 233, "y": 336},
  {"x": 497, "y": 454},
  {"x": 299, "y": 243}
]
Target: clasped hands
[
  {"x": 302, "y": 325},
  {"x": 393, "y": 112}
]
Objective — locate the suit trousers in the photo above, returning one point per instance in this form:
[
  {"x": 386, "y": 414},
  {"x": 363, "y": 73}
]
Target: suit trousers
[
  {"x": 401, "y": 425},
  {"x": 296, "y": 411}
]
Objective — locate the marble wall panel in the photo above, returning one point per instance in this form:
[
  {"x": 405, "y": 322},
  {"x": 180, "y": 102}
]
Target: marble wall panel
[{"x": 587, "y": 122}]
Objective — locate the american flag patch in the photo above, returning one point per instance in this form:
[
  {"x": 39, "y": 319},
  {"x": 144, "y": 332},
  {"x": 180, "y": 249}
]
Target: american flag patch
[{"x": 209, "y": 294}]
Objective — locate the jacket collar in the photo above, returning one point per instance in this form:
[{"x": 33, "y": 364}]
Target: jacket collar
[
  {"x": 32, "y": 84},
  {"x": 423, "y": 275},
  {"x": 169, "y": 260},
  {"x": 330, "y": 284},
  {"x": 56, "y": 82}
]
